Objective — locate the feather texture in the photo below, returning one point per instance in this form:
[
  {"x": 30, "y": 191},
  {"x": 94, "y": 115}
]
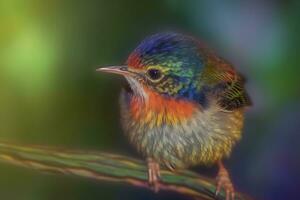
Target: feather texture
[{"x": 192, "y": 112}]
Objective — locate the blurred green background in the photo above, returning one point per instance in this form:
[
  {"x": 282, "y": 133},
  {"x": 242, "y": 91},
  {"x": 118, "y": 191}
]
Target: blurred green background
[{"x": 51, "y": 94}]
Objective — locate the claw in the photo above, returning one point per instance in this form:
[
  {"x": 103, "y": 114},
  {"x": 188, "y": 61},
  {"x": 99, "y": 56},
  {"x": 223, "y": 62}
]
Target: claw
[
  {"x": 153, "y": 174},
  {"x": 223, "y": 181}
]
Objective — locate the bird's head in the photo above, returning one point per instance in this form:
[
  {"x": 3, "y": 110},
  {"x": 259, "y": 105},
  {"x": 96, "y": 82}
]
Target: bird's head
[{"x": 167, "y": 63}]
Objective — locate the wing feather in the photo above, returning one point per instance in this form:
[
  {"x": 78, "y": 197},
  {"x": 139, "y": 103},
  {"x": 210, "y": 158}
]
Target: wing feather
[{"x": 227, "y": 84}]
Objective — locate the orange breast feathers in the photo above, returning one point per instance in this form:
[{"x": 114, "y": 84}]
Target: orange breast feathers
[{"x": 158, "y": 109}]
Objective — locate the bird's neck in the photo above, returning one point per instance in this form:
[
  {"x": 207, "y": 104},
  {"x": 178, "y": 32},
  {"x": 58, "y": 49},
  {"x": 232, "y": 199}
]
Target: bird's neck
[{"x": 158, "y": 109}]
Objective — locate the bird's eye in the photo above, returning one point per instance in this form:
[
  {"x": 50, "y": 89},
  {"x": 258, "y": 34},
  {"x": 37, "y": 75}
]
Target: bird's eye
[{"x": 154, "y": 74}]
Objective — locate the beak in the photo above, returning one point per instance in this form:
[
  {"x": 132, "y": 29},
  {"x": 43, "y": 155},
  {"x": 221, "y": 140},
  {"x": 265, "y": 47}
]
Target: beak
[{"x": 122, "y": 70}]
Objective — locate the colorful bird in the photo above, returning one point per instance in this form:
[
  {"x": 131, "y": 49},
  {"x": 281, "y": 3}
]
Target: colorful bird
[{"x": 184, "y": 107}]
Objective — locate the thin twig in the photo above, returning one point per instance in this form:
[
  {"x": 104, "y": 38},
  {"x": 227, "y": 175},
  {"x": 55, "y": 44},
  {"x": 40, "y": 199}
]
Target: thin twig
[{"x": 106, "y": 167}]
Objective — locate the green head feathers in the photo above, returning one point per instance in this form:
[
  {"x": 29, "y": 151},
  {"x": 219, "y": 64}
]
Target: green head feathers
[
  {"x": 170, "y": 64},
  {"x": 179, "y": 66}
]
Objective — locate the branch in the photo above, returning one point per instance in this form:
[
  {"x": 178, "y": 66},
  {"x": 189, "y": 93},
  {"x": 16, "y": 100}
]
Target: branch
[{"x": 106, "y": 167}]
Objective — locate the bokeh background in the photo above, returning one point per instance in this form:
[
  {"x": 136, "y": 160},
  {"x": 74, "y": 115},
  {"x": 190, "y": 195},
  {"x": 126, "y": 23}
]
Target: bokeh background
[{"x": 50, "y": 93}]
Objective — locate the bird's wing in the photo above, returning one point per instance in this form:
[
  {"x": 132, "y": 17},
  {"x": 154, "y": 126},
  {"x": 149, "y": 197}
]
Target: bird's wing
[
  {"x": 227, "y": 85},
  {"x": 234, "y": 95}
]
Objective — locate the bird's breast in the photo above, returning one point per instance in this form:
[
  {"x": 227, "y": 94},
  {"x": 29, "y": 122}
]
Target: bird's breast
[
  {"x": 178, "y": 133},
  {"x": 158, "y": 110}
]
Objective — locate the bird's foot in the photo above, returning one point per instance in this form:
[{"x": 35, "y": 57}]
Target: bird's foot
[
  {"x": 224, "y": 182},
  {"x": 153, "y": 174}
]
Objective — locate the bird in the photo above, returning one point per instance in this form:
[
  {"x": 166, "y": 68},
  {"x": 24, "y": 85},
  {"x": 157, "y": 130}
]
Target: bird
[{"x": 184, "y": 106}]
